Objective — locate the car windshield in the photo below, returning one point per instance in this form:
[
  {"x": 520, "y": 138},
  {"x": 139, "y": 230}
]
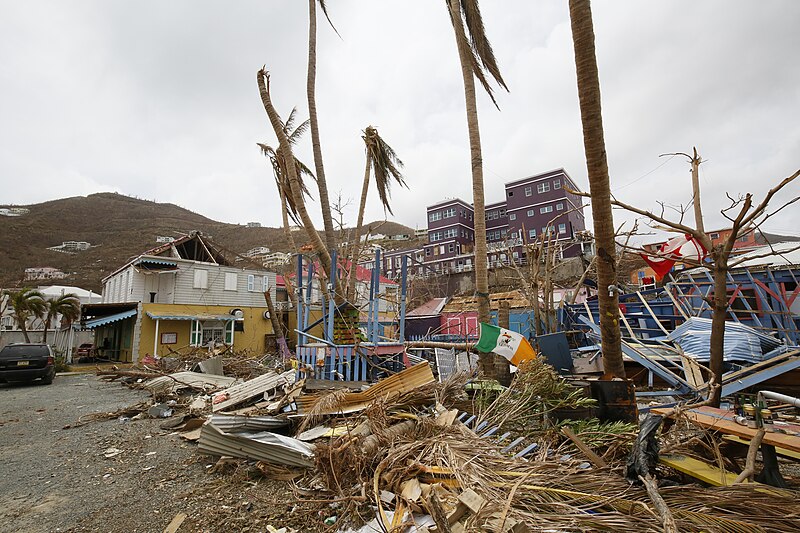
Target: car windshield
[{"x": 24, "y": 351}]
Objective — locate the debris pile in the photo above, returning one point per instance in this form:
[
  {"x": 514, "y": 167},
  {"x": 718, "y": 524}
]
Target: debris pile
[{"x": 410, "y": 454}]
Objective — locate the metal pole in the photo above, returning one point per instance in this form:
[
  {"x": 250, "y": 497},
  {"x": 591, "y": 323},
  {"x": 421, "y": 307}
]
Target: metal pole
[
  {"x": 155, "y": 340},
  {"x": 403, "y": 281},
  {"x": 309, "y": 295},
  {"x": 780, "y": 397},
  {"x": 299, "y": 292},
  {"x": 332, "y": 302}
]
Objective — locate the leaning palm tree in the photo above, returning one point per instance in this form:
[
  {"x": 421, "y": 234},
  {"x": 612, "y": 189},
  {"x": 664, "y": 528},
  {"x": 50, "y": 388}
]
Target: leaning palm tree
[
  {"x": 311, "y": 82},
  {"x": 27, "y": 303},
  {"x": 384, "y": 165},
  {"x": 293, "y": 178},
  {"x": 477, "y": 61},
  {"x": 66, "y": 305},
  {"x": 580, "y": 14}
]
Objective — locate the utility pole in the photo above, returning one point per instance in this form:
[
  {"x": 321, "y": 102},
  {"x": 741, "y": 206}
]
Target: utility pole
[
  {"x": 695, "y": 160},
  {"x": 698, "y": 212}
]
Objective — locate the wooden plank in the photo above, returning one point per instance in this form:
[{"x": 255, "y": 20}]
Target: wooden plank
[
  {"x": 699, "y": 470},
  {"x": 588, "y": 452},
  {"x": 722, "y": 421},
  {"x": 176, "y": 523},
  {"x": 780, "y": 451}
]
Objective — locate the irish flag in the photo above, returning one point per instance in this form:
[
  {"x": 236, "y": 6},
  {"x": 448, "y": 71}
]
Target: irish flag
[{"x": 509, "y": 344}]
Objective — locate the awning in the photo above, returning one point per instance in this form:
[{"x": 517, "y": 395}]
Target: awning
[
  {"x": 174, "y": 316},
  {"x": 103, "y": 320},
  {"x": 156, "y": 263}
]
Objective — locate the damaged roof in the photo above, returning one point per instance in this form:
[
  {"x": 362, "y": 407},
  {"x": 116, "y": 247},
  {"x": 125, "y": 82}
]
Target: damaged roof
[{"x": 515, "y": 299}]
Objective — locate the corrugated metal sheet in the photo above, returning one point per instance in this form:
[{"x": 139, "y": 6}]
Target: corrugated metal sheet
[
  {"x": 408, "y": 379},
  {"x": 255, "y": 387},
  {"x": 240, "y": 423},
  {"x": 263, "y": 446},
  {"x": 788, "y": 253},
  {"x": 742, "y": 343},
  {"x": 181, "y": 380}
]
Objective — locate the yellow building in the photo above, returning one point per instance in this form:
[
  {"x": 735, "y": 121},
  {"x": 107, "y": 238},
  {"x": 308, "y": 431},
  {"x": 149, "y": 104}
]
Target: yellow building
[{"x": 182, "y": 294}]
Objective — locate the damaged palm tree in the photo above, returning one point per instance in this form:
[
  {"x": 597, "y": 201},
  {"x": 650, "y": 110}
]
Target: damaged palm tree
[
  {"x": 295, "y": 184},
  {"x": 477, "y": 61},
  {"x": 384, "y": 165}
]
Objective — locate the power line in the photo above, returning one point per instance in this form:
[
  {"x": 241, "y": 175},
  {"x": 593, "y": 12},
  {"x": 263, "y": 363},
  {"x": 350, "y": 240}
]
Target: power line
[{"x": 645, "y": 175}]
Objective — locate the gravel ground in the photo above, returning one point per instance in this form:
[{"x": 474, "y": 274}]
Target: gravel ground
[{"x": 54, "y": 478}]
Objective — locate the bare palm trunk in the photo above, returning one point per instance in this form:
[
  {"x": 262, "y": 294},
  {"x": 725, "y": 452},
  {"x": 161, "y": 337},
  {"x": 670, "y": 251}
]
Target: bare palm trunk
[
  {"x": 481, "y": 268},
  {"x": 580, "y": 13},
  {"x": 287, "y": 231},
  {"x": 311, "y": 83},
  {"x": 294, "y": 181},
  {"x": 44, "y": 333},
  {"x": 355, "y": 249},
  {"x": 24, "y": 331}
]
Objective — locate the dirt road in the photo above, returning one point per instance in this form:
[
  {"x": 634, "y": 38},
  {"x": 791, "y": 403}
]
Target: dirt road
[{"x": 56, "y": 479}]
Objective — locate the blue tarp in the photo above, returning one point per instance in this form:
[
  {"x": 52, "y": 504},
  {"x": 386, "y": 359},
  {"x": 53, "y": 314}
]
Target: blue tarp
[{"x": 742, "y": 343}]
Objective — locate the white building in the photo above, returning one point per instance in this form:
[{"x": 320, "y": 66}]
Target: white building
[{"x": 43, "y": 273}]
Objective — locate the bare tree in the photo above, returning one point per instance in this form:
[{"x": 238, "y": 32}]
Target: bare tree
[{"x": 744, "y": 217}]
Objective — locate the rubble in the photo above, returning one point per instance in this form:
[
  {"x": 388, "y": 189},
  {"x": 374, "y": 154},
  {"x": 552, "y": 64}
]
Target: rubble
[{"x": 410, "y": 453}]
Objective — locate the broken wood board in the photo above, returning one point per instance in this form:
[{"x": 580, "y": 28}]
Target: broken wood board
[
  {"x": 176, "y": 522},
  {"x": 402, "y": 382},
  {"x": 722, "y": 421},
  {"x": 701, "y": 470}
]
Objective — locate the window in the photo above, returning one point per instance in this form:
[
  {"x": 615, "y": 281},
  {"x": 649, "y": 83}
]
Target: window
[
  {"x": 559, "y": 206},
  {"x": 230, "y": 281},
  {"x": 557, "y": 184},
  {"x": 503, "y": 232},
  {"x": 427, "y": 252},
  {"x": 451, "y": 248},
  {"x": 435, "y": 236},
  {"x": 562, "y": 228},
  {"x": 251, "y": 282},
  {"x": 531, "y": 212},
  {"x": 511, "y": 193},
  {"x": 450, "y": 233},
  {"x": 713, "y": 236},
  {"x": 502, "y": 212},
  {"x": 265, "y": 283},
  {"x": 451, "y": 212},
  {"x": 543, "y": 187},
  {"x": 205, "y": 331},
  {"x": 528, "y": 191},
  {"x": 532, "y": 234},
  {"x": 441, "y": 250},
  {"x": 491, "y": 215},
  {"x": 201, "y": 279},
  {"x": 546, "y": 209},
  {"x": 512, "y": 216},
  {"x": 433, "y": 217}
]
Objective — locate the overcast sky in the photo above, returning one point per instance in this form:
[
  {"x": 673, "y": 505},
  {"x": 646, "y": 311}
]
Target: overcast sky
[{"x": 159, "y": 100}]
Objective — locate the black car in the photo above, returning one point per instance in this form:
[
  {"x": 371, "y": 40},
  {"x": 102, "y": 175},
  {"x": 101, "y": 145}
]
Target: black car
[{"x": 27, "y": 362}]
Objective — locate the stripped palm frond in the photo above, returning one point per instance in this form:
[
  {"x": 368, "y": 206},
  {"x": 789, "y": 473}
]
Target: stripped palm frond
[
  {"x": 471, "y": 31},
  {"x": 385, "y": 165}
]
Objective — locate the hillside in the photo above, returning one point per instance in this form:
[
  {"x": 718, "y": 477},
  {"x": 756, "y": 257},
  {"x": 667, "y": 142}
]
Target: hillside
[{"x": 118, "y": 227}]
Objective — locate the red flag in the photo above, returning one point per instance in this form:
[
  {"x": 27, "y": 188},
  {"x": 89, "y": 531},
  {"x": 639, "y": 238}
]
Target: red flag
[{"x": 672, "y": 251}]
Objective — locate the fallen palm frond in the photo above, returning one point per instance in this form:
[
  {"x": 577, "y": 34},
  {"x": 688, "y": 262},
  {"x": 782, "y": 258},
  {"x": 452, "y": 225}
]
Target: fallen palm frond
[{"x": 128, "y": 412}]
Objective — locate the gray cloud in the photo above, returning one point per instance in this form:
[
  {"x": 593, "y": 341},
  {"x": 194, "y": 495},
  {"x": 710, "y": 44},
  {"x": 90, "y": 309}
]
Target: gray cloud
[{"x": 158, "y": 99}]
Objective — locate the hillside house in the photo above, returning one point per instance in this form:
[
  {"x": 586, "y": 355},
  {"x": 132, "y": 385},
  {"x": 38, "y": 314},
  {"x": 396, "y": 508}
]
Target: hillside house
[{"x": 183, "y": 293}]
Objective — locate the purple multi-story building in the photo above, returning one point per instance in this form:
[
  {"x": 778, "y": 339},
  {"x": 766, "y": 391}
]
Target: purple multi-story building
[
  {"x": 451, "y": 236},
  {"x": 540, "y": 206},
  {"x": 534, "y": 207}
]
